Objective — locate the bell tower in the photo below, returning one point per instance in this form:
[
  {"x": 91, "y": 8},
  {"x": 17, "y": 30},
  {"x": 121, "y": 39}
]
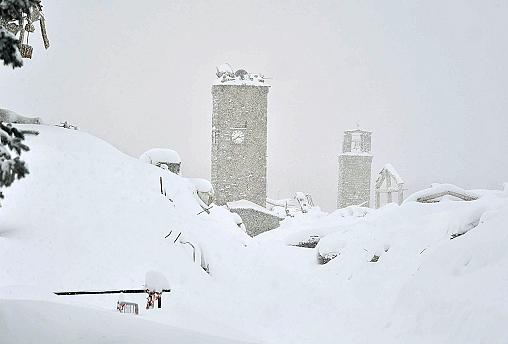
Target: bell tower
[
  {"x": 239, "y": 136},
  {"x": 355, "y": 163}
]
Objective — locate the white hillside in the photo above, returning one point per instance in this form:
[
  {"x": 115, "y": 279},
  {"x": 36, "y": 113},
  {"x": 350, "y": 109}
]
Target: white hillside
[
  {"x": 91, "y": 218},
  {"x": 86, "y": 205}
]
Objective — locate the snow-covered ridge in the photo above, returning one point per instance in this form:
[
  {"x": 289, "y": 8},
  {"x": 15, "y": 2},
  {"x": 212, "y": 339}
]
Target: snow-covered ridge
[
  {"x": 444, "y": 189},
  {"x": 90, "y": 217}
]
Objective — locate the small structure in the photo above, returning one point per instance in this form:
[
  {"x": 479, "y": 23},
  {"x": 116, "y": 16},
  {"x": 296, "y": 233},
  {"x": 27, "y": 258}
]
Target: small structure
[
  {"x": 388, "y": 182},
  {"x": 127, "y": 307},
  {"x": 255, "y": 218},
  {"x": 153, "y": 296},
  {"x": 155, "y": 284},
  {"x": 167, "y": 159},
  {"x": 439, "y": 192},
  {"x": 66, "y": 125}
]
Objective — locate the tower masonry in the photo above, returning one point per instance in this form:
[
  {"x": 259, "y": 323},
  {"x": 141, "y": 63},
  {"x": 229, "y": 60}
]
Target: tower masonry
[
  {"x": 239, "y": 136},
  {"x": 355, "y": 169}
]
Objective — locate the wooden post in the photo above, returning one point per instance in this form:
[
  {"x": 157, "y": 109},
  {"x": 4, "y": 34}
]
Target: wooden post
[{"x": 159, "y": 301}]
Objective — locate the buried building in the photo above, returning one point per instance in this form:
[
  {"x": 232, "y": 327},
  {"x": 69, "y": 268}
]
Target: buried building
[
  {"x": 167, "y": 159},
  {"x": 255, "y": 218}
]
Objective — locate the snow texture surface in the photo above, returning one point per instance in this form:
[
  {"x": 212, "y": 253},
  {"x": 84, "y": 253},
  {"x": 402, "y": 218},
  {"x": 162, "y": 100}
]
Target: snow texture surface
[{"x": 91, "y": 218}]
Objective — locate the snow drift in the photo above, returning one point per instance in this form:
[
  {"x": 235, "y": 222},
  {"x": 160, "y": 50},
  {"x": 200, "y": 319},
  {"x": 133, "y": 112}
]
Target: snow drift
[{"x": 89, "y": 217}]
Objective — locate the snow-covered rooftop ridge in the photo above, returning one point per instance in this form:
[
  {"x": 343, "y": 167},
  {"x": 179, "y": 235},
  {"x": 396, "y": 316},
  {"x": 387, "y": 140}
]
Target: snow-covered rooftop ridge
[
  {"x": 245, "y": 204},
  {"x": 389, "y": 167},
  {"x": 158, "y": 155},
  {"x": 227, "y": 76},
  {"x": 357, "y": 130},
  {"x": 437, "y": 189}
]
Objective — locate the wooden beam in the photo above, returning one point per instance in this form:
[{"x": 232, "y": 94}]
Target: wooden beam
[{"x": 97, "y": 292}]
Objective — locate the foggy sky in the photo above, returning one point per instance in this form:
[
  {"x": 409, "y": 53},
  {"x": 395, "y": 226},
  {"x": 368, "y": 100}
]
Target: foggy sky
[{"x": 429, "y": 78}]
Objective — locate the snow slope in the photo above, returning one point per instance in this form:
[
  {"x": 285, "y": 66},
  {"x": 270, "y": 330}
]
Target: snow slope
[
  {"x": 43, "y": 322},
  {"x": 90, "y": 217}
]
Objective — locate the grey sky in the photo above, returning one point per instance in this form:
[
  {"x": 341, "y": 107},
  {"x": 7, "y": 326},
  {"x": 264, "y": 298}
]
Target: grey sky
[{"x": 429, "y": 78}]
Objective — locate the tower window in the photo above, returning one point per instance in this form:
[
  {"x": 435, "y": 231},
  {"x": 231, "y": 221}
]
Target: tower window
[{"x": 356, "y": 142}]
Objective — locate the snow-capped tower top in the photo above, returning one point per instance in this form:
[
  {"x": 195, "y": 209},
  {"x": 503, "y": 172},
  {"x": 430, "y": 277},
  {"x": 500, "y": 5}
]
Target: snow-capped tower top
[
  {"x": 356, "y": 142},
  {"x": 227, "y": 76}
]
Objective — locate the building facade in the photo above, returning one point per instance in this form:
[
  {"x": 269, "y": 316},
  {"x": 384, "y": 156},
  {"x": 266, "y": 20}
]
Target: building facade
[
  {"x": 239, "y": 137},
  {"x": 355, "y": 169}
]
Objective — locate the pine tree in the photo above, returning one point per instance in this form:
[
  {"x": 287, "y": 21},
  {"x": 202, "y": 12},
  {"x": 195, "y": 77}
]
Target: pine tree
[
  {"x": 12, "y": 10},
  {"x": 11, "y": 147},
  {"x": 12, "y": 14}
]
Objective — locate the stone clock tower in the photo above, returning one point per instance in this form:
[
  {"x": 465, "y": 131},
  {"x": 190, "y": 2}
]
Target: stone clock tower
[{"x": 239, "y": 125}]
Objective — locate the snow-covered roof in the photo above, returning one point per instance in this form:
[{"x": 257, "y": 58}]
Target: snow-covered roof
[
  {"x": 227, "y": 76},
  {"x": 245, "y": 204},
  {"x": 437, "y": 191},
  {"x": 391, "y": 171},
  {"x": 389, "y": 167},
  {"x": 158, "y": 155}
]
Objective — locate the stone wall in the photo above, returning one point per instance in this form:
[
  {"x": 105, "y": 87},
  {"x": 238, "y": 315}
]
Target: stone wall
[
  {"x": 354, "y": 180},
  {"x": 239, "y": 169},
  {"x": 257, "y": 222}
]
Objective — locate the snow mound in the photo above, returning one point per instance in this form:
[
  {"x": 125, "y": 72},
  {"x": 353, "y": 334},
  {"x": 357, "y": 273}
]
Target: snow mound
[
  {"x": 43, "y": 322},
  {"x": 156, "y": 281},
  {"x": 160, "y": 155},
  {"x": 202, "y": 185}
]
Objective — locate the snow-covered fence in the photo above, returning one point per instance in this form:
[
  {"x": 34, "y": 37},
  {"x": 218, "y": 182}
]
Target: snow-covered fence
[
  {"x": 197, "y": 251},
  {"x": 163, "y": 189},
  {"x": 127, "y": 307}
]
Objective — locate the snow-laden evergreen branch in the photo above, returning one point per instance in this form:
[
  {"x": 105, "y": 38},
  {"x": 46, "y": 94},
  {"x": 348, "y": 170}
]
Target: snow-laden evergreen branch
[
  {"x": 11, "y": 147},
  {"x": 10, "y": 11}
]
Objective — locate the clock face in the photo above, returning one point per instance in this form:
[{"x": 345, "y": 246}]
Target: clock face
[{"x": 237, "y": 136}]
